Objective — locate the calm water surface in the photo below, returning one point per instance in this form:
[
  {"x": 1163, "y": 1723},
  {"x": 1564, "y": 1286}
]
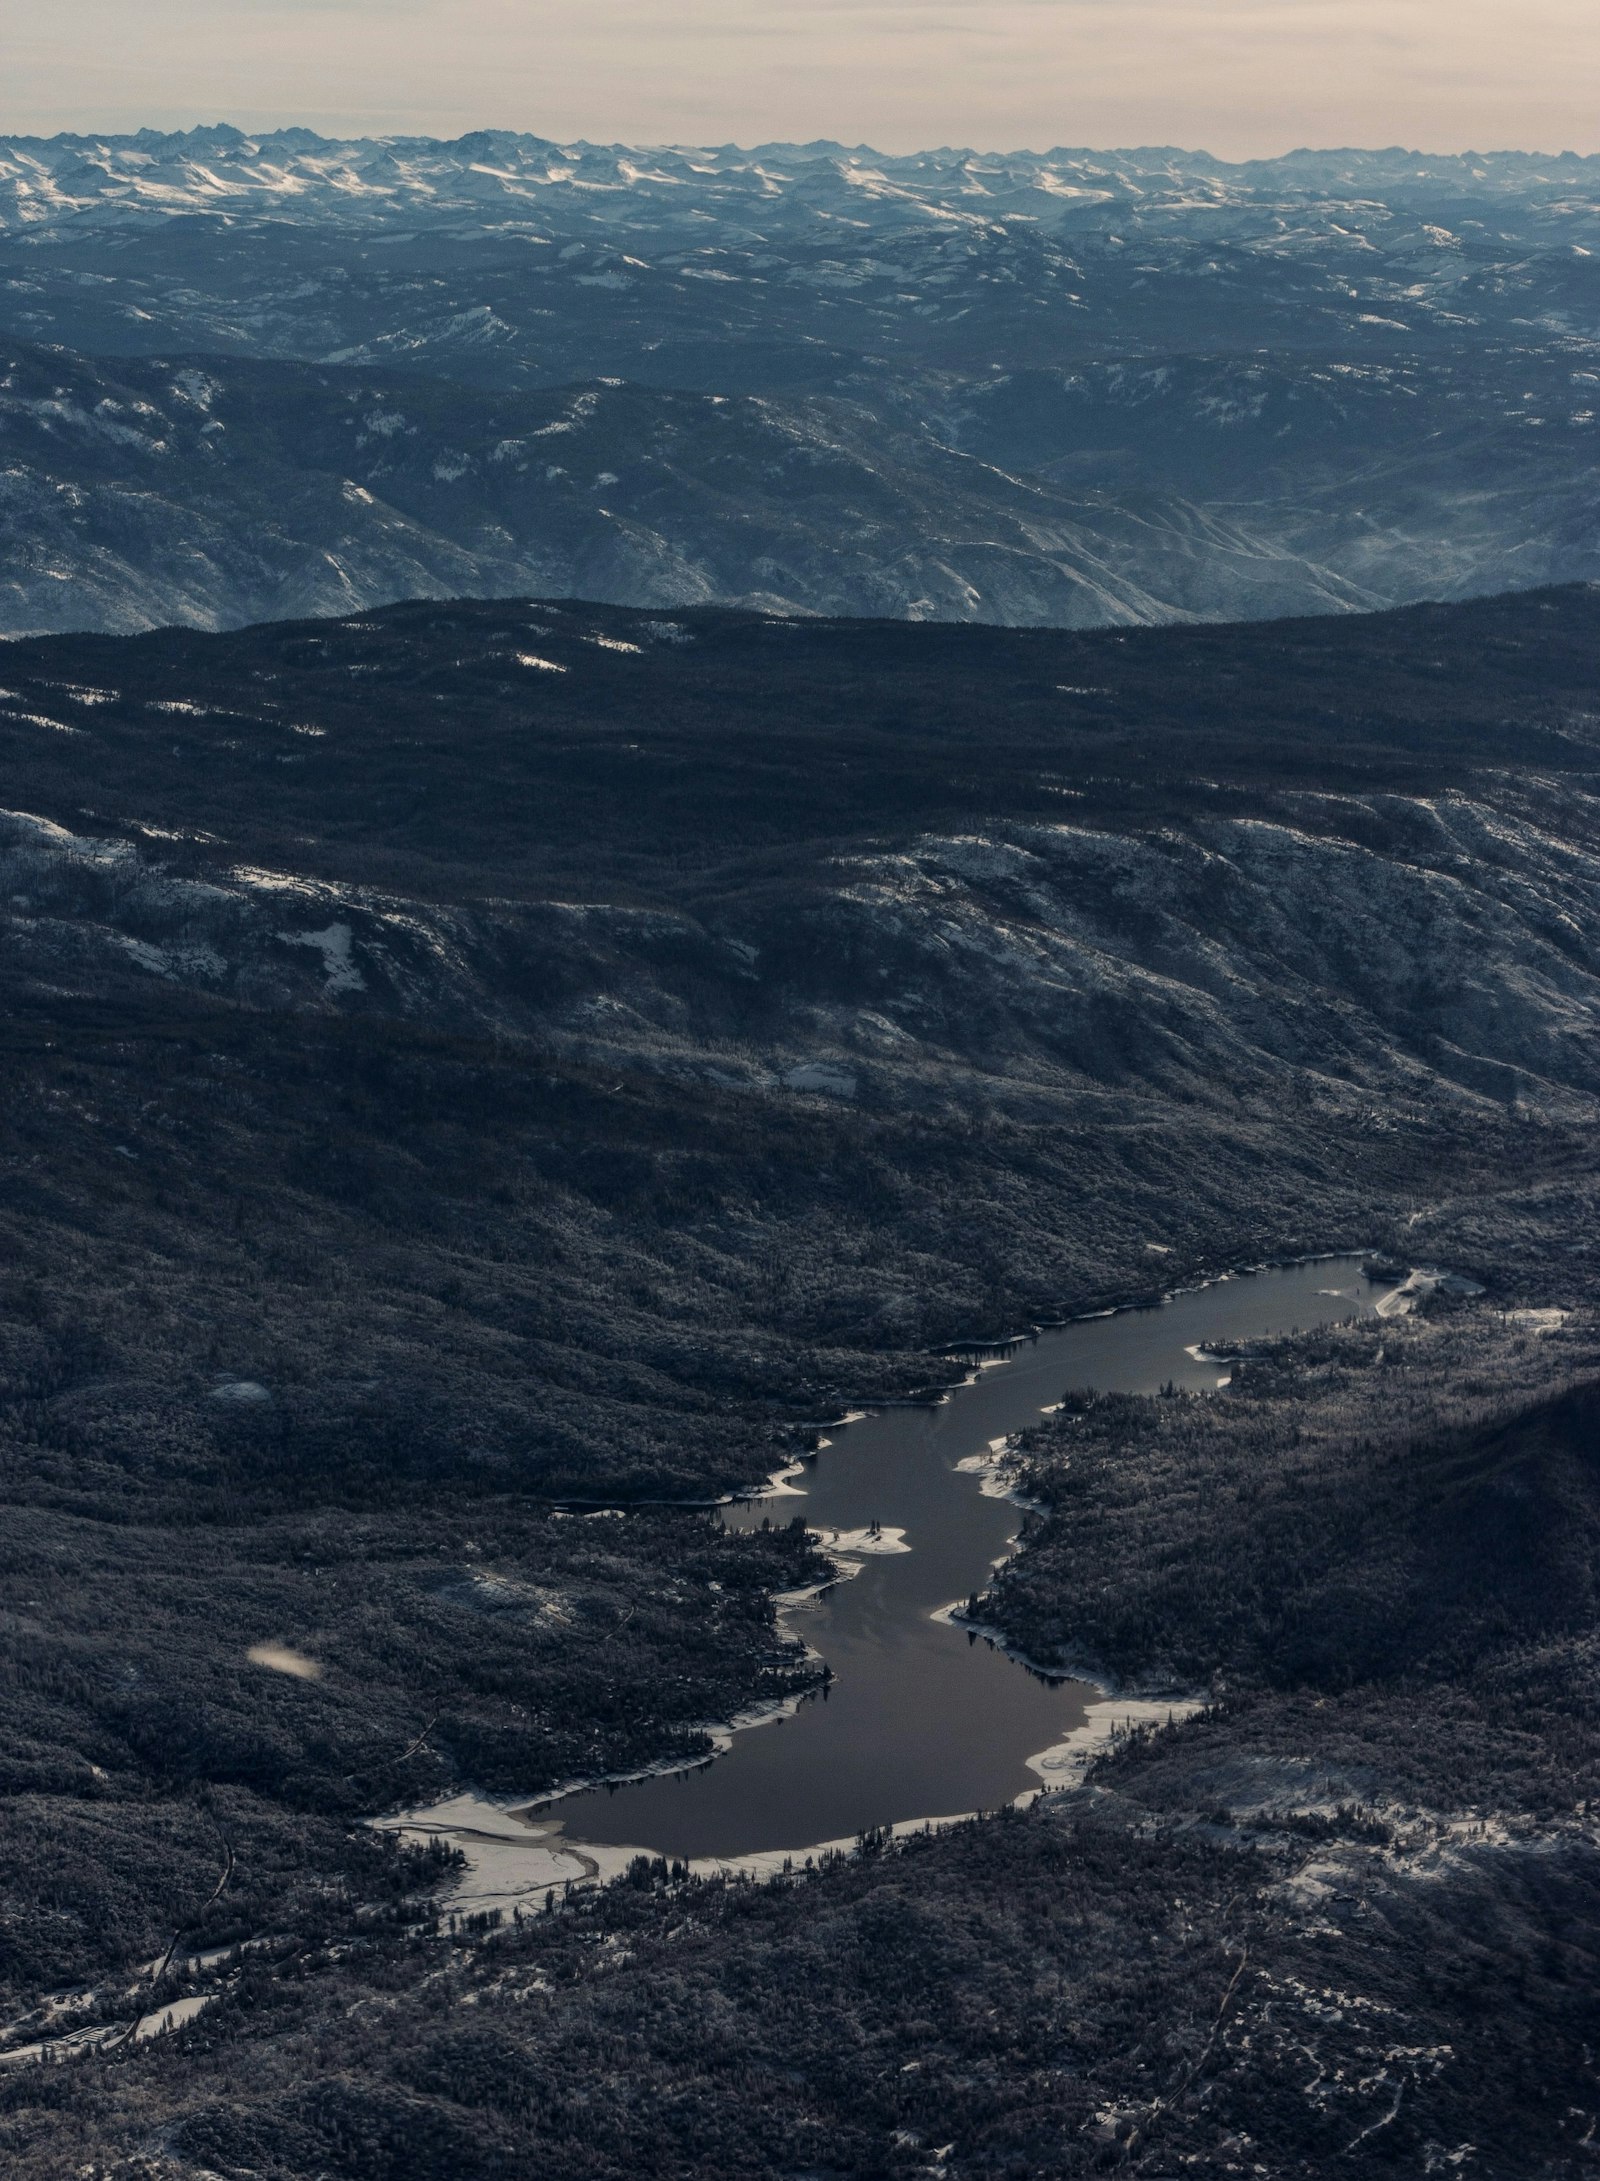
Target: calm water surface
[{"x": 921, "y": 1720}]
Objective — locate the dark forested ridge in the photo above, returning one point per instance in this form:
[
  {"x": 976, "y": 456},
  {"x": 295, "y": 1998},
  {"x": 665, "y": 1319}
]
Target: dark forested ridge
[
  {"x": 469, "y": 1056},
  {"x": 509, "y": 747}
]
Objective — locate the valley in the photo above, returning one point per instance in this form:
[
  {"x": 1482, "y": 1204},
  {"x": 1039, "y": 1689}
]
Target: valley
[{"x": 473, "y": 1065}]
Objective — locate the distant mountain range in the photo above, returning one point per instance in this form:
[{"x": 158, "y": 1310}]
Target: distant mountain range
[{"x": 253, "y": 377}]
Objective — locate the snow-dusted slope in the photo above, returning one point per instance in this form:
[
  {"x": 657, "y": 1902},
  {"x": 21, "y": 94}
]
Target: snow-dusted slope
[
  {"x": 1386, "y": 953},
  {"x": 296, "y": 175},
  {"x": 515, "y": 257},
  {"x": 217, "y": 493},
  {"x": 1137, "y": 908},
  {"x": 1070, "y": 386},
  {"x": 213, "y": 492}
]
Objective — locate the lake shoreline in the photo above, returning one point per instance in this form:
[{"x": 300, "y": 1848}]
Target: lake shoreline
[{"x": 1060, "y": 1764}]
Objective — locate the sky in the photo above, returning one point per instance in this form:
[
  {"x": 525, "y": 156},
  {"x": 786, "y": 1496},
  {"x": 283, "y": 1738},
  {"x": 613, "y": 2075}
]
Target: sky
[{"x": 1240, "y": 78}]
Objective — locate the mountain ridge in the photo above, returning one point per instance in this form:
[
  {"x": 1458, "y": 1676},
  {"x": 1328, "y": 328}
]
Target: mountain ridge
[{"x": 1032, "y": 388}]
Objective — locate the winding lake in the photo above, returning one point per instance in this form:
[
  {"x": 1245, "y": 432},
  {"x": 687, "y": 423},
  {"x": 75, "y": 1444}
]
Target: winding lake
[{"x": 922, "y": 1720}]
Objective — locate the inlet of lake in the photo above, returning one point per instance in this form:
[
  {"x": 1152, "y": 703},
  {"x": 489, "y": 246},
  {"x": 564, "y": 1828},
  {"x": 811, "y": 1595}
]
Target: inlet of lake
[{"x": 921, "y": 1719}]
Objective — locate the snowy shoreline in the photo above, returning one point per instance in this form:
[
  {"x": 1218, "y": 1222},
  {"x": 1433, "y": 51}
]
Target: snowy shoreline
[
  {"x": 515, "y": 1848},
  {"x": 517, "y": 1854}
]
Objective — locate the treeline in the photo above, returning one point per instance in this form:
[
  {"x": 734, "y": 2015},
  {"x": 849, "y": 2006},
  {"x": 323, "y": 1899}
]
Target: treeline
[
  {"x": 1077, "y": 1991},
  {"x": 442, "y": 1644},
  {"x": 1403, "y": 1514}
]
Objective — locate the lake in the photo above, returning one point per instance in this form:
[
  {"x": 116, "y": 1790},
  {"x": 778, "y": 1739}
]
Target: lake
[{"x": 922, "y": 1719}]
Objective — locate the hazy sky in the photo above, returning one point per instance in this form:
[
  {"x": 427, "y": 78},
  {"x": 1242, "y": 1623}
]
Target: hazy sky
[{"x": 1237, "y": 77}]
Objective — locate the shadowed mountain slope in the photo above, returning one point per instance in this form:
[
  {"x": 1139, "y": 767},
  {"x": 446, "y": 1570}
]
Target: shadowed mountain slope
[
  {"x": 465, "y": 1057},
  {"x": 723, "y": 996}
]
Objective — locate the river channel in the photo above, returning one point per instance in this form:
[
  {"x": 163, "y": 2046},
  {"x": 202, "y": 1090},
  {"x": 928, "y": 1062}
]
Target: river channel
[{"x": 921, "y": 1719}]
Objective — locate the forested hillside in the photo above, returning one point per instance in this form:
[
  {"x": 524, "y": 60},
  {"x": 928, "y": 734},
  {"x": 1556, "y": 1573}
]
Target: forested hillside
[{"x": 469, "y": 1062}]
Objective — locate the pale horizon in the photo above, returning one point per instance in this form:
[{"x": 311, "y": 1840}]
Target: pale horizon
[
  {"x": 258, "y": 131},
  {"x": 1245, "y": 79}
]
